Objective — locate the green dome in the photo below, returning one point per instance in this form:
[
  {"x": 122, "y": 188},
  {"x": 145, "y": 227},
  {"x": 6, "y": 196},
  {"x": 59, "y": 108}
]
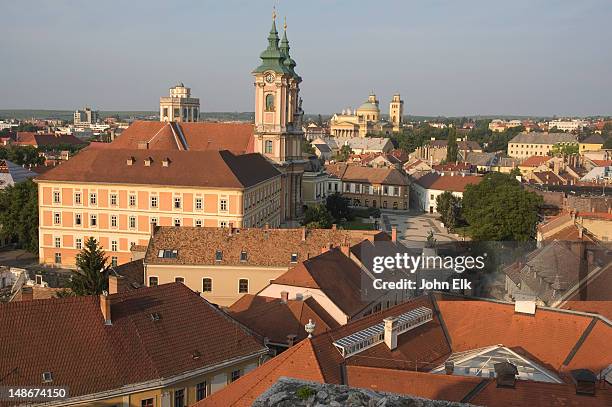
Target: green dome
[{"x": 369, "y": 106}]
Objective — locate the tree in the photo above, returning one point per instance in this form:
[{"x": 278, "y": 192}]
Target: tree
[
  {"x": 451, "y": 148},
  {"x": 564, "y": 150},
  {"x": 317, "y": 217},
  {"x": 498, "y": 208},
  {"x": 91, "y": 276},
  {"x": 449, "y": 208},
  {"x": 344, "y": 153},
  {"x": 338, "y": 207},
  {"x": 19, "y": 214},
  {"x": 516, "y": 172}
]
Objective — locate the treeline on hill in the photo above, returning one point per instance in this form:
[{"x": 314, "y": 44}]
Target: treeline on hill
[{"x": 496, "y": 209}]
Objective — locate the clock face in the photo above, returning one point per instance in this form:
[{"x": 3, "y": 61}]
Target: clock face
[{"x": 269, "y": 78}]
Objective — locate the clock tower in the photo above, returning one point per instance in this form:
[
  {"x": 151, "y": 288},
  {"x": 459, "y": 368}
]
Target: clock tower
[{"x": 278, "y": 119}]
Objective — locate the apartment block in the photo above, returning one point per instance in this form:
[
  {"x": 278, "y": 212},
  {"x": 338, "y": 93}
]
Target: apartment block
[{"x": 525, "y": 145}]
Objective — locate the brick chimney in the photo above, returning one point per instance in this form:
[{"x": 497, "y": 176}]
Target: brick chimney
[
  {"x": 334, "y": 226},
  {"x": 394, "y": 234},
  {"x": 303, "y": 234},
  {"x": 390, "y": 335},
  {"x": 27, "y": 293},
  {"x": 326, "y": 248},
  {"x": 105, "y": 307},
  {"x": 284, "y": 296},
  {"x": 113, "y": 284},
  {"x": 346, "y": 250},
  {"x": 153, "y": 225},
  {"x": 231, "y": 228}
]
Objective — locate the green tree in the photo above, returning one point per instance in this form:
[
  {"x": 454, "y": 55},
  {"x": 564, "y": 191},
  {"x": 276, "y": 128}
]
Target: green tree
[
  {"x": 516, "y": 172},
  {"x": 344, "y": 153},
  {"x": 449, "y": 208},
  {"x": 91, "y": 276},
  {"x": 338, "y": 207},
  {"x": 19, "y": 214},
  {"x": 317, "y": 217},
  {"x": 451, "y": 148},
  {"x": 564, "y": 150},
  {"x": 498, "y": 208}
]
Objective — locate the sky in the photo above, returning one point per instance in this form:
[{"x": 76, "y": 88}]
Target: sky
[{"x": 445, "y": 57}]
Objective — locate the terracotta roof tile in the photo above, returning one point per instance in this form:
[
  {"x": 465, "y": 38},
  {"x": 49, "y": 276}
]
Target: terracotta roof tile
[
  {"x": 223, "y": 169},
  {"x": 25, "y": 138},
  {"x": 357, "y": 173},
  {"x": 535, "y": 161},
  {"x": 456, "y": 183}
]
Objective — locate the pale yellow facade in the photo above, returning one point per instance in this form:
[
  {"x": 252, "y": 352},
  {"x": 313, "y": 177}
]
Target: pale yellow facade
[{"x": 120, "y": 215}]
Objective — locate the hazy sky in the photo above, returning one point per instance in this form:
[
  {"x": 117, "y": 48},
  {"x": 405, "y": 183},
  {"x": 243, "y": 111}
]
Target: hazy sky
[{"x": 446, "y": 57}]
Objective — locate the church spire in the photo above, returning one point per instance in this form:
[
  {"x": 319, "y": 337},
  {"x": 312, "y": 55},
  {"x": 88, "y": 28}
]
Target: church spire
[
  {"x": 272, "y": 57},
  {"x": 284, "y": 48}
]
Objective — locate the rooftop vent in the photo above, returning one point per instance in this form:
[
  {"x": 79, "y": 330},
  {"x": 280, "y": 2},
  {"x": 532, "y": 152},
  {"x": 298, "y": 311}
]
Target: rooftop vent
[
  {"x": 155, "y": 316},
  {"x": 386, "y": 331},
  {"x": 506, "y": 374},
  {"x": 525, "y": 306},
  {"x": 196, "y": 355},
  {"x": 167, "y": 254},
  {"x": 585, "y": 381},
  {"x": 47, "y": 377}
]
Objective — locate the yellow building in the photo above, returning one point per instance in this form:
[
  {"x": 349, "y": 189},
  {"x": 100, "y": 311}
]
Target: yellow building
[
  {"x": 114, "y": 195},
  {"x": 148, "y": 347},
  {"x": 225, "y": 264},
  {"x": 364, "y": 120},
  {"x": 525, "y": 145},
  {"x": 591, "y": 143},
  {"x": 179, "y": 106}
]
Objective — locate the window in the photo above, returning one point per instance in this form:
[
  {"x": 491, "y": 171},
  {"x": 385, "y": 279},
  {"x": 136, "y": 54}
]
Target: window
[
  {"x": 268, "y": 147},
  {"x": 207, "y": 285},
  {"x": 179, "y": 280},
  {"x": 177, "y": 222},
  {"x": 146, "y": 403},
  {"x": 153, "y": 221},
  {"x": 77, "y": 219},
  {"x": 198, "y": 223},
  {"x": 177, "y": 202},
  {"x": 57, "y": 218},
  {"x": 165, "y": 112},
  {"x": 177, "y": 112},
  {"x": 58, "y": 242},
  {"x": 235, "y": 375},
  {"x": 218, "y": 255},
  {"x": 153, "y": 281},
  {"x": 93, "y": 220},
  {"x": 294, "y": 257},
  {"x": 132, "y": 200},
  {"x": 56, "y": 197},
  {"x": 198, "y": 204},
  {"x": 270, "y": 102},
  {"x": 223, "y": 224},
  {"x": 201, "y": 391},
  {"x": 113, "y": 221},
  {"x": 114, "y": 246},
  {"x": 77, "y": 198},
  {"x": 132, "y": 222},
  {"x": 78, "y": 243},
  {"x": 113, "y": 199},
  {"x": 153, "y": 201},
  {"x": 114, "y": 261},
  {"x": 58, "y": 258},
  {"x": 93, "y": 198},
  {"x": 179, "y": 398},
  {"x": 223, "y": 205},
  {"x": 167, "y": 254},
  {"x": 243, "y": 286},
  {"x": 243, "y": 256}
]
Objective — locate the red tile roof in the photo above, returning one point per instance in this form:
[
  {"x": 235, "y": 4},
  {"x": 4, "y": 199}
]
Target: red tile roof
[
  {"x": 223, "y": 169},
  {"x": 370, "y": 175},
  {"x": 274, "y": 319},
  {"x": 200, "y": 136},
  {"x": 455, "y": 183},
  {"x": 535, "y": 161},
  {"x": 46, "y": 140},
  {"x": 68, "y": 337}
]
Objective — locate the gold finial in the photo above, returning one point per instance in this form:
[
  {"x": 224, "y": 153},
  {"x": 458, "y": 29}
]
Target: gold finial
[
  {"x": 274, "y": 13},
  {"x": 285, "y": 24}
]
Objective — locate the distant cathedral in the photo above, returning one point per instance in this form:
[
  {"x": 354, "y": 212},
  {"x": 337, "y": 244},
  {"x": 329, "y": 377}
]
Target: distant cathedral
[
  {"x": 278, "y": 118},
  {"x": 366, "y": 119}
]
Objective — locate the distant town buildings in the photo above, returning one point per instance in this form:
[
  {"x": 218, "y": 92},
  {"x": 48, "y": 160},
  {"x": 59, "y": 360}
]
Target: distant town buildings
[
  {"x": 525, "y": 145},
  {"x": 11, "y": 174},
  {"x": 179, "y": 106},
  {"x": 435, "y": 151},
  {"x": 429, "y": 187},
  {"x": 566, "y": 125},
  {"x": 86, "y": 117},
  {"x": 499, "y": 125}
]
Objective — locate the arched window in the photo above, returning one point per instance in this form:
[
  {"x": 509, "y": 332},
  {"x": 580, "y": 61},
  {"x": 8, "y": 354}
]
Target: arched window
[{"x": 270, "y": 102}]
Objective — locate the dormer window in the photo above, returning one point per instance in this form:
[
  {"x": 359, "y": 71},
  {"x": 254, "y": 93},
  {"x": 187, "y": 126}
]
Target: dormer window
[
  {"x": 294, "y": 257},
  {"x": 243, "y": 256},
  {"x": 148, "y": 161},
  {"x": 167, "y": 254},
  {"x": 218, "y": 255},
  {"x": 165, "y": 162},
  {"x": 131, "y": 161},
  {"x": 47, "y": 377}
]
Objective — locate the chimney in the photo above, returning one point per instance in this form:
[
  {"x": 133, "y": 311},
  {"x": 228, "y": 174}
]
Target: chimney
[
  {"x": 303, "y": 234},
  {"x": 505, "y": 374},
  {"x": 449, "y": 367},
  {"x": 284, "y": 296},
  {"x": 390, "y": 335},
  {"x": 231, "y": 228},
  {"x": 27, "y": 293},
  {"x": 394, "y": 234},
  {"x": 334, "y": 226},
  {"x": 346, "y": 250},
  {"x": 325, "y": 248},
  {"x": 113, "y": 284},
  {"x": 105, "y": 307},
  {"x": 153, "y": 225},
  {"x": 267, "y": 226}
]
